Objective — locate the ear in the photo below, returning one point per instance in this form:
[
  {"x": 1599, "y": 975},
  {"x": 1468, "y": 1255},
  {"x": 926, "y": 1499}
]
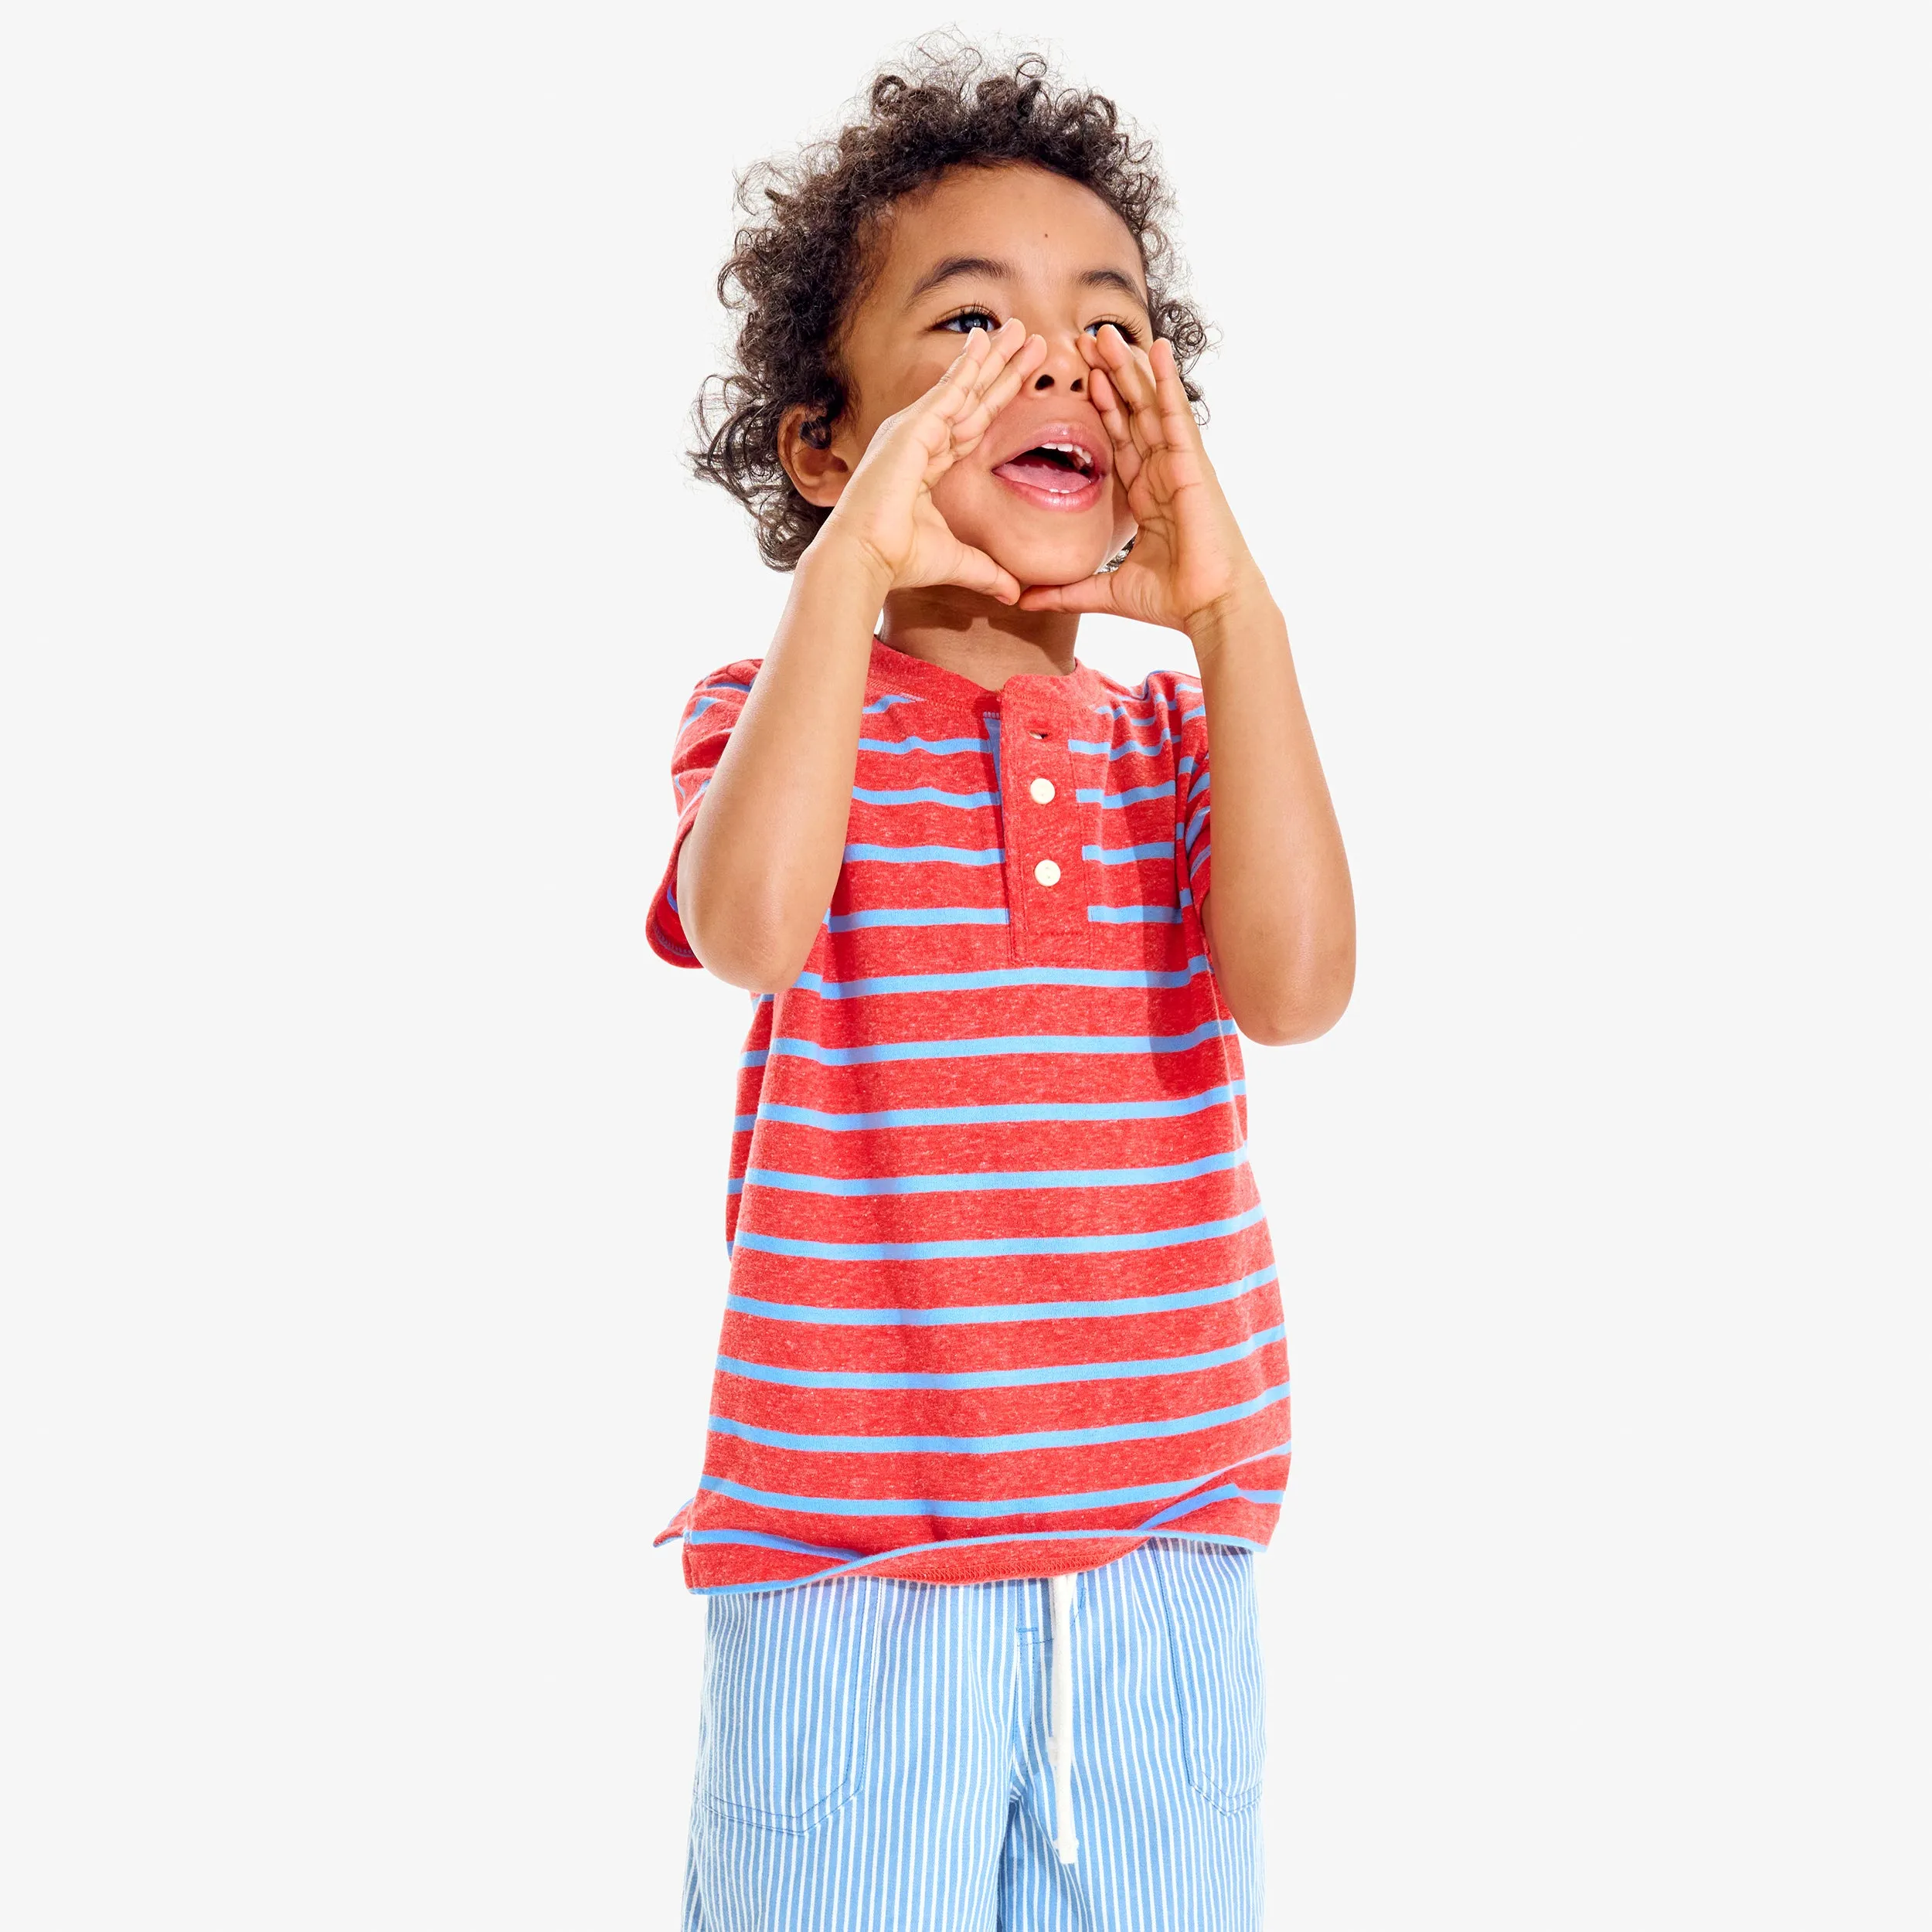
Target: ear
[{"x": 818, "y": 475}]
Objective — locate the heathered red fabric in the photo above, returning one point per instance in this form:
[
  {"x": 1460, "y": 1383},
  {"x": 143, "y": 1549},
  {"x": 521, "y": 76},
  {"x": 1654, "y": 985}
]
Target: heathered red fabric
[{"x": 1001, "y": 1301}]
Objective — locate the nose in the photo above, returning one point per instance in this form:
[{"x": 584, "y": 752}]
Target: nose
[{"x": 1064, "y": 367}]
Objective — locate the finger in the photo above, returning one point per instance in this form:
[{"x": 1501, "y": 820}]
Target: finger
[
  {"x": 1005, "y": 343},
  {"x": 1177, "y": 414},
  {"x": 960, "y": 393},
  {"x": 1132, "y": 373},
  {"x": 930, "y": 421},
  {"x": 962, "y": 372},
  {"x": 1096, "y": 357},
  {"x": 974, "y": 423},
  {"x": 1111, "y": 410},
  {"x": 1106, "y": 402},
  {"x": 1133, "y": 387},
  {"x": 1001, "y": 346},
  {"x": 1089, "y": 596},
  {"x": 1144, "y": 420}
]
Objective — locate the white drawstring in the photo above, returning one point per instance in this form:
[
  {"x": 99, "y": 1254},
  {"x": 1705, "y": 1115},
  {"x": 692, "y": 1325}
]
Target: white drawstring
[{"x": 1059, "y": 1736}]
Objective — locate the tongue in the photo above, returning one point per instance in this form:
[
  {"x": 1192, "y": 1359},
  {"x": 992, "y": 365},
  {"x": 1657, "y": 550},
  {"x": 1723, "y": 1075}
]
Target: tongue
[{"x": 1042, "y": 474}]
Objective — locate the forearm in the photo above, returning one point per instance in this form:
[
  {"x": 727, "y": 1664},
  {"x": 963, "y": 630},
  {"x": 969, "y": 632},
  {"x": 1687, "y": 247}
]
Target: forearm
[
  {"x": 759, "y": 866},
  {"x": 1281, "y": 914}
]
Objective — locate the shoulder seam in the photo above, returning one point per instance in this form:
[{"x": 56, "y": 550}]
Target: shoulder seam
[{"x": 748, "y": 666}]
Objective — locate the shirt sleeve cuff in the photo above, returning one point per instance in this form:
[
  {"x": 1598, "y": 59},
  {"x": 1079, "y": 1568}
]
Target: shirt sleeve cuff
[
  {"x": 663, "y": 928},
  {"x": 1199, "y": 867}
]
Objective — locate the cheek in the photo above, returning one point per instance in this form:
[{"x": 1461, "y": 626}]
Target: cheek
[
  {"x": 963, "y": 488},
  {"x": 883, "y": 396},
  {"x": 911, "y": 381}
]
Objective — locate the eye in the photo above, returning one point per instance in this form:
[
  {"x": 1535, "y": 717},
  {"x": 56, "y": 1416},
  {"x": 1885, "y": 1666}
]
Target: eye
[
  {"x": 1127, "y": 329},
  {"x": 962, "y": 322}
]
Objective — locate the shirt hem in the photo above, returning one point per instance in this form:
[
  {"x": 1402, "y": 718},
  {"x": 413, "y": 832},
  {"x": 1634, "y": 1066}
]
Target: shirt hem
[{"x": 969, "y": 1560}]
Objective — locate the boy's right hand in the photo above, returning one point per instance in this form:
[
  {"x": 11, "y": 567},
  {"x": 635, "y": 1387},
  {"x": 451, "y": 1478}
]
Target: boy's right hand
[{"x": 887, "y": 509}]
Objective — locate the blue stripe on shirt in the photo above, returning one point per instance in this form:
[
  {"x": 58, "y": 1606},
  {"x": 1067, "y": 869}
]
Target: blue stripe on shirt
[
  {"x": 1223, "y": 1492},
  {"x": 974, "y": 1315},
  {"x": 937, "y": 747},
  {"x": 991, "y": 977},
  {"x": 991, "y": 1045},
  {"x": 917, "y": 915},
  {"x": 953, "y": 1545},
  {"x": 1099, "y": 1113},
  {"x": 988, "y": 1250},
  {"x": 978, "y": 1506},
  {"x": 927, "y": 855},
  {"x": 1017, "y": 1443},
  {"x": 1105, "y": 748},
  {"x": 1128, "y": 854},
  {"x": 1134, "y": 915},
  {"x": 1091, "y": 795},
  {"x": 981, "y": 1180},
  {"x": 928, "y": 795}
]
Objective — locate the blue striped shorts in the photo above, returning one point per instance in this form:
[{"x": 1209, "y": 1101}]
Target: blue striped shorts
[{"x": 876, "y": 1755}]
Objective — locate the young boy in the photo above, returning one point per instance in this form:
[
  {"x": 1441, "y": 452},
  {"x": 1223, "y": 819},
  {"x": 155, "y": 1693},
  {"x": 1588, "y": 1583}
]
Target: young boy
[{"x": 1003, "y": 1314}]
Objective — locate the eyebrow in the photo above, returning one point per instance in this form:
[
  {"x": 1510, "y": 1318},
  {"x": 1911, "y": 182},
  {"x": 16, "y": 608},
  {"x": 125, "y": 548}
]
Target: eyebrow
[{"x": 953, "y": 266}]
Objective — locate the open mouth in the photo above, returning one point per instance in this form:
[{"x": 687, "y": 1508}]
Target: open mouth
[{"x": 1058, "y": 475}]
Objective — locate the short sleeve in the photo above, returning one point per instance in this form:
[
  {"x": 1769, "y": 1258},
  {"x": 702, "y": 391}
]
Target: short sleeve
[
  {"x": 1193, "y": 795},
  {"x": 705, "y": 728}
]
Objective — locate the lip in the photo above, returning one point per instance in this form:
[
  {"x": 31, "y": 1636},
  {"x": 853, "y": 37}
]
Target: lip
[{"x": 1093, "y": 446}]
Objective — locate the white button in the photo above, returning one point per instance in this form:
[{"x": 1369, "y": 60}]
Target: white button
[
  {"x": 1047, "y": 872},
  {"x": 1043, "y": 791}
]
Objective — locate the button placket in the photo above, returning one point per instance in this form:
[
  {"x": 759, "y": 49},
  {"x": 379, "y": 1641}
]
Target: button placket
[{"x": 1043, "y": 830}]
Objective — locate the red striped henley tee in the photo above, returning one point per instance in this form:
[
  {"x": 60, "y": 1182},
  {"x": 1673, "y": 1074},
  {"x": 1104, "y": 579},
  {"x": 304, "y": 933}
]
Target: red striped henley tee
[{"x": 1001, "y": 1300}]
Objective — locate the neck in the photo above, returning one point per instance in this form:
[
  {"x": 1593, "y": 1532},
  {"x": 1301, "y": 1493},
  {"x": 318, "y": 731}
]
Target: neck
[{"x": 961, "y": 631}]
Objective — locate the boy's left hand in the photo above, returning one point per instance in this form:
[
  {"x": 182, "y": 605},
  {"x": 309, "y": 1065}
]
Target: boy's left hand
[{"x": 1188, "y": 554}]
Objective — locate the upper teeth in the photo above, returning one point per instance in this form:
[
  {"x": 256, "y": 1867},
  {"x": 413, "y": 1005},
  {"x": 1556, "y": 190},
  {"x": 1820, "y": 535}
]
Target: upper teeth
[{"x": 1074, "y": 449}]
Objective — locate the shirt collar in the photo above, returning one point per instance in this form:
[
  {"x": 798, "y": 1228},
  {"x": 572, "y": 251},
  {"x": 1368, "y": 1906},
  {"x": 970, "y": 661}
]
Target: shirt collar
[{"x": 1081, "y": 690}]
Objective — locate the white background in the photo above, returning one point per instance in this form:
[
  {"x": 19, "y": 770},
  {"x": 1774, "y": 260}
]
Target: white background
[{"x": 362, "y": 1173}]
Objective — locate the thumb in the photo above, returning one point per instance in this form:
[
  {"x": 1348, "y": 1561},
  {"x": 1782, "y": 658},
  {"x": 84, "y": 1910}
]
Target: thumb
[
  {"x": 1086, "y": 595},
  {"x": 974, "y": 570}
]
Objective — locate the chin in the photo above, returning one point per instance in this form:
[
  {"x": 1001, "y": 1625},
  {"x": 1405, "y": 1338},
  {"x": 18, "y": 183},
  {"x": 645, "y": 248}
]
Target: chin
[
  {"x": 1038, "y": 546},
  {"x": 1034, "y": 560}
]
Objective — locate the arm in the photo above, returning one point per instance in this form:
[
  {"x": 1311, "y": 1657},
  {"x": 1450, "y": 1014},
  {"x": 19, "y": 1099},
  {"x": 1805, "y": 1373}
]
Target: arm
[
  {"x": 1280, "y": 917},
  {"x": 760, "y": 861},
  {"x": 757, "y": 872}
]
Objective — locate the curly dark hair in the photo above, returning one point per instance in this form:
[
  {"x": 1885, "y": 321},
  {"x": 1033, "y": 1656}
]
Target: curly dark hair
[{"x": 801, "y": 258}]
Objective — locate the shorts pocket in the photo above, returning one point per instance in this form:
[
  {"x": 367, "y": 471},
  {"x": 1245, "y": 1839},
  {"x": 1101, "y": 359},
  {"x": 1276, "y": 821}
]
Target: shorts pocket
[
  {"x": 786, "y": 1718},
  {"x": 1207, "y": 1592}
]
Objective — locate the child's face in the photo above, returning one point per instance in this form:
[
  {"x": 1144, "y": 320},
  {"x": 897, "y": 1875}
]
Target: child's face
[{"x": 980, "y": 246}]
